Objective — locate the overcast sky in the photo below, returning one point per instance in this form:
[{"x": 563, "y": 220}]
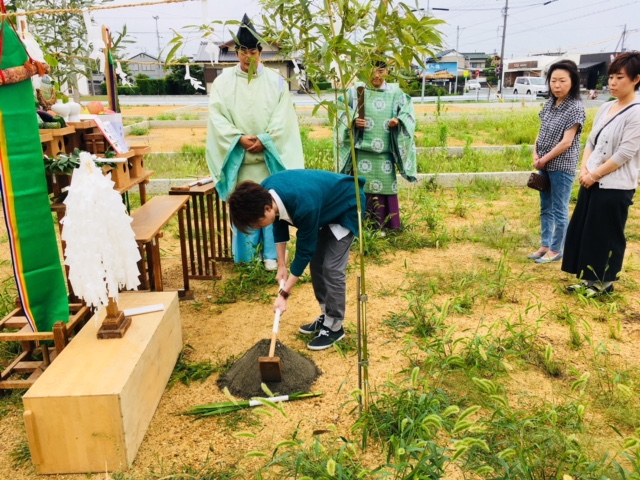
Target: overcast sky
[{"x": 575, "y": 26}]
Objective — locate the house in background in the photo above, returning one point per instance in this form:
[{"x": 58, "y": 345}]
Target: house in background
[
  {"x": 475, "y": 61},
  {"x": 146, "y": 64},
  {"x": 228, "y": 58},
  {"x": 593, "y": 67}
]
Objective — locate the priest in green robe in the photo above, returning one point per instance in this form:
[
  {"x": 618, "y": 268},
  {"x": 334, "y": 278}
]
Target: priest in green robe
[
  {"x": 384, "y": 144},
  {"x": 253, "y": 132}
]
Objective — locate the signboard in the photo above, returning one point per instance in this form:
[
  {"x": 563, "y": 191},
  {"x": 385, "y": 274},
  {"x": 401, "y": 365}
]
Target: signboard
[
  {"x": 113, "y": 130},
  {"x": 515, "y": 65},
  {"x": 441, "y": 71}
]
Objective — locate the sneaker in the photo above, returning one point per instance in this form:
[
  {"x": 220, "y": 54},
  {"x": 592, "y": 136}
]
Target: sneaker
[
  {"x": 325, "y": 339},
  {"x": 313, "y": 327},
  {"x": 270, "y": 265}
]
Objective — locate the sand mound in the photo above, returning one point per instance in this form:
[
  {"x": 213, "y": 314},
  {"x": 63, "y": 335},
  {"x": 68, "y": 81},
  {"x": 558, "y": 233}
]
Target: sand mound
[{"x": 243, "y": 378}]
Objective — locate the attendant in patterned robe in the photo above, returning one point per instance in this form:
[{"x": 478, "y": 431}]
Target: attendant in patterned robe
[{"x": 384, "y": 144}]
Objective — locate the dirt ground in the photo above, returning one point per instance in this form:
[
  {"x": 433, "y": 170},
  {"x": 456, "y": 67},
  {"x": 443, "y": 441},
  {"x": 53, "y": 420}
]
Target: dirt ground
[
  {"x": 164, "y": 140},
  {"x": 217, "y": 333},
  {"x": 220, "y": 332}
]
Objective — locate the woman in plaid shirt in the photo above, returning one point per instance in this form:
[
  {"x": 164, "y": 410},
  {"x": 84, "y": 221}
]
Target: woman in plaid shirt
[{"x": 556, "y": 156}]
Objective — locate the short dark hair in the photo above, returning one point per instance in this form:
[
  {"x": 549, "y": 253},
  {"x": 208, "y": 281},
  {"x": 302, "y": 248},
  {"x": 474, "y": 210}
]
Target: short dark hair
[
  {"x": 572, "y": 69},
  {"x": 247, "y": 203},
  {"x": 242, "y": 47},
  {"x": 629, "y": 62}
]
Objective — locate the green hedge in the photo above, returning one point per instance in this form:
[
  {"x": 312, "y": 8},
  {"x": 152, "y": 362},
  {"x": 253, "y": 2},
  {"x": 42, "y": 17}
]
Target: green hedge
[
  {"x": 131, "y": 90},
  {"x": 151, "y": 86}
]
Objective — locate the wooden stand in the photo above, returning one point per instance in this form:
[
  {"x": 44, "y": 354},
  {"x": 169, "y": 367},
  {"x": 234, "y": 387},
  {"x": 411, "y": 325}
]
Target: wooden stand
[
  {"x": 148, "y": 222},
  {"x": 208, "y": 230},
  {"x": 115, "y": 323},
  {"x": 25, "y": 369},
  {"x": 91, "y": 409}
]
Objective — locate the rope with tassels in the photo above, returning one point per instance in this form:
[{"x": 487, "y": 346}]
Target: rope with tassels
[{"x": 60, "y": 11}]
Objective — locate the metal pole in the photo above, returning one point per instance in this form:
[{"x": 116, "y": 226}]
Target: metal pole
[
  {"x": 156, "y": 17},
  {"x": 504, "y": 35}
]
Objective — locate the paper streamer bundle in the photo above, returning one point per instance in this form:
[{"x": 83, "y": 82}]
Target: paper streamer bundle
[{"x": 101, "y": 250}]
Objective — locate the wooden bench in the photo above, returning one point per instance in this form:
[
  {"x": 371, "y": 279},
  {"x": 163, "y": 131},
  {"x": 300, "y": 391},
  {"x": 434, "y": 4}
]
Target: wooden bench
[{"x": 148, "y": 222}]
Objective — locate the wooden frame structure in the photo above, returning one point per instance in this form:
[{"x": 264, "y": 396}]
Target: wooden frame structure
[
  {"x": 14, "y": 328},
  {"x": 208, "y": 230}
]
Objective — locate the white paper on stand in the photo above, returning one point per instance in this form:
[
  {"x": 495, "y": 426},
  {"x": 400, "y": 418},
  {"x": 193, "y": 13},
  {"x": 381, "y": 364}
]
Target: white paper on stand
[{"x": 130, "y": 312}]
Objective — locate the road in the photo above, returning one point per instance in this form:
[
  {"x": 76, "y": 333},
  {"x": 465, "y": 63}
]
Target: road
[{"x": 484, "y": 96}]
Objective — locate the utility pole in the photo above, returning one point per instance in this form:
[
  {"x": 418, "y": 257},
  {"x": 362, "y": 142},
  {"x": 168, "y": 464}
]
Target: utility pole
[
  {"x": 505, "y": 12},
  {"x": 156, "y": 17}
]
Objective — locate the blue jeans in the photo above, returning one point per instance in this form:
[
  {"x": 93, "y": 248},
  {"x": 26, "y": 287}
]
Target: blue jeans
[
  {"x": 244, "y": 246},
  {"x": 554, "y": 209}
]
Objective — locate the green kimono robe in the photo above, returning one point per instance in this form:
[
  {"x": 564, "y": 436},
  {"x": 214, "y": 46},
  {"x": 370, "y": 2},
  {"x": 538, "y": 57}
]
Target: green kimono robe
[
  {"x": 262, "y": 108},
  {"x": 382, "y": 151}
]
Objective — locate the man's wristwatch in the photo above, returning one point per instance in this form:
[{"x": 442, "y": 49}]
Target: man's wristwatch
[{"x": 284, "y": 294}]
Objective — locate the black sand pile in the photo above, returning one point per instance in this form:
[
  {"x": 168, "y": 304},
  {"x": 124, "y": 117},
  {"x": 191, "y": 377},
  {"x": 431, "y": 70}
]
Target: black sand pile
[{"x": 243, "y": 378}]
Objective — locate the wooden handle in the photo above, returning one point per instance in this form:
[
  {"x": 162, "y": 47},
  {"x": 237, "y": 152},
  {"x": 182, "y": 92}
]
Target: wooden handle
[
  {"x": 32, "y": 436},
  {"x": 274, "y": 333},
  {"x": 360, "y": 91},
  {"x": 272, "y": 347}
]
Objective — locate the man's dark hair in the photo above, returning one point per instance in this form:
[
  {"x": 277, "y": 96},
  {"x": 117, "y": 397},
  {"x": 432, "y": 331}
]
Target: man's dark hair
[
  {"x": 572, "y": 69},
  {"x": 629, "y": 62},
  {"x": 240, "y": 47},
  {"x": 246, "y": 204}
]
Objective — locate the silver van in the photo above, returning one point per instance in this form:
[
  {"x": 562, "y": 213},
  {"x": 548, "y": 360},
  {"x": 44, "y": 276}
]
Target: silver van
[{"x": 529, "y": 85}]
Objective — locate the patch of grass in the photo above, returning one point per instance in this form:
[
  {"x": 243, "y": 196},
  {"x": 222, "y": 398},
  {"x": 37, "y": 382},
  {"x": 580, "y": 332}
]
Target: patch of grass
[
  {"x": 318, "y": 154},
  {"x": 166, "y": 117},
  {"x": 187, "y": 371},
  {"x": 195, "y": 150},
  {"x": 20, "y": 455},
  {"x": 187, "y": 471},
  {"x": 10, "y": 400},
  {"x": 139, "y": 131},
  {"x": 178, "y": 166},
  {"x": 249, "y": 284},
  {"x": 189, "y": 116},
  {"x": 126, "y": 121}
]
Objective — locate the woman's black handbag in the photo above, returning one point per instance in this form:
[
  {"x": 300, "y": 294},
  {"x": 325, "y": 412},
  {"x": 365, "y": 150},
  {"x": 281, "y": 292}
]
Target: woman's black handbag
[{"x": 538, "y": 182}]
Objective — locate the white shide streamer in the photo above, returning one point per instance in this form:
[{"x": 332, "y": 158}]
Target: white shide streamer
[{"x": 101, "y": 250}]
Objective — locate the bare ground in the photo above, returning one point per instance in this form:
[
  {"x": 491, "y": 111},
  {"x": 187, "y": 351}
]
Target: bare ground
[{"x": 219, "y": 332}]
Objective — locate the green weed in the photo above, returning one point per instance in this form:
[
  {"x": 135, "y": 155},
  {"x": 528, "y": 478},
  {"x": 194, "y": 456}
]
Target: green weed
[{"x": 138, "y": 131}]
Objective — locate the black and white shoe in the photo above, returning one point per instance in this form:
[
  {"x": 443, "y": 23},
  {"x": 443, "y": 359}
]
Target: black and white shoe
[
  {"x": 598, "y": 289},
  {"x": 579, "y": 287},
  {"x": 313, "y": 327},
  {"x": 325, "y": 339}
]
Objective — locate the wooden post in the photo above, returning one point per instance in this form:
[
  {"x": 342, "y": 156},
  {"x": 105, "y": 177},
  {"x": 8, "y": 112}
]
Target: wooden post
[
  {"x": 115, "y": 323},
  {"x": 111, "y": 81}
]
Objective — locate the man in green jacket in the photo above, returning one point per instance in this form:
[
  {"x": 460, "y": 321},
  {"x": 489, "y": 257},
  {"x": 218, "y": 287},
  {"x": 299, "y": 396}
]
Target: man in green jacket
[{"x": 323, "y": 207}]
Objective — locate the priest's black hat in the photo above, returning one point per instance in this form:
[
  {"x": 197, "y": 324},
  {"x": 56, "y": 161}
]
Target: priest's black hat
[{"x": 245, "y": 38}]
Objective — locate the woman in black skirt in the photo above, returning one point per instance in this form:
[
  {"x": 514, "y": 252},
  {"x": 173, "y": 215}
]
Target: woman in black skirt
[{"x": 595, "y": 243}]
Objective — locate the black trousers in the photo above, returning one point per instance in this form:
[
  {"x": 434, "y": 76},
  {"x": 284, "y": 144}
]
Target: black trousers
[{"x": 595, "y": 243}]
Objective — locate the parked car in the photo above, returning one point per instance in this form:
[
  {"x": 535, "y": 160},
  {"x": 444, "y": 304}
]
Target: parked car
[
  {"x": 473, "y": 85},
  {"x": 530, "y": 85}
]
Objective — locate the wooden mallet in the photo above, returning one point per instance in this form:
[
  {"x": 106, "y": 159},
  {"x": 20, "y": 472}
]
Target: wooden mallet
[{"x": 271, "y": 366}]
